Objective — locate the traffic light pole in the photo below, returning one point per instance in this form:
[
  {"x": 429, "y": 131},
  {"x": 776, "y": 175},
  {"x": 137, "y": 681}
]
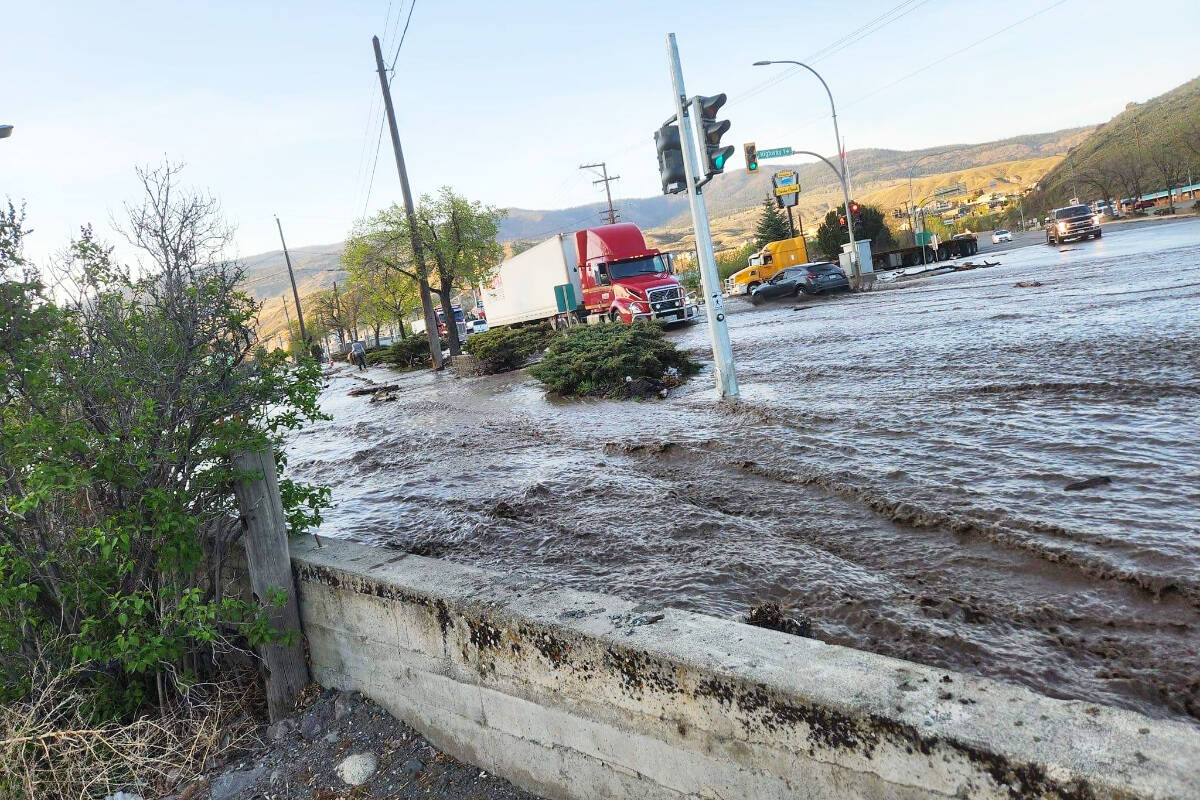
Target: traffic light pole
[
  {"x": 714, "y": 304},
  {"x": 431, "y": 328}
]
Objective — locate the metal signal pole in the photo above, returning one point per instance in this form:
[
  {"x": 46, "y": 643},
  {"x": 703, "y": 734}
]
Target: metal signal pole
[
  {"x": 431, "y": 330},
  {"x": 295, "y": 292},
  {"x": 714, "y": 304},
  {"x": 612, "y": 215}
]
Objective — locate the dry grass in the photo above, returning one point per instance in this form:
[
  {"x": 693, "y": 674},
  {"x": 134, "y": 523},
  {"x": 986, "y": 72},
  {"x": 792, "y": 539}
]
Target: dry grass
[{"x": 49, "y": 750}]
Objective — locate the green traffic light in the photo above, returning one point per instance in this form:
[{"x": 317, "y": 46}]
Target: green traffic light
[
  {"x": 720, "y": 162},
  {"x": 753, "y": 167}
]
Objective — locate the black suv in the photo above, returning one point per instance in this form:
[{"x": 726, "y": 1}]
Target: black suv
[{"x": 1072, "y": 222}]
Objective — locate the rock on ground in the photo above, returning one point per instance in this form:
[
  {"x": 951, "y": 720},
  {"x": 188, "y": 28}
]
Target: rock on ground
[
  {"x": 356, "y": 769},
  {"x": 344, "y": 746}
]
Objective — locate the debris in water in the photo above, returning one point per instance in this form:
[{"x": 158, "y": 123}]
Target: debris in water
[
  {"x": 772, "y": 617},
  {"x": 1027, "y": 284},
  {"x": 390, "y": 387},
  {"x": 1089, "y": 483}
]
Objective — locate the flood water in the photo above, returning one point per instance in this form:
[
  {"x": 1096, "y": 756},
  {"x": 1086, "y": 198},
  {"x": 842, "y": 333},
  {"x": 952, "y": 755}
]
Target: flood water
[{"x": 895, "y": 472}]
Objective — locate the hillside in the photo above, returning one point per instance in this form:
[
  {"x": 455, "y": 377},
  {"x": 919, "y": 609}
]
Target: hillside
[
  {"x": 1139, "y": 151},
  {"x": 316, "y": 268},
  {"x": 736, "y": 191}
]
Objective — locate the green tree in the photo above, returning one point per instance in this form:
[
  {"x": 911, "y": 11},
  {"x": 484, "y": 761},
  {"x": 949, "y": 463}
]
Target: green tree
[
  {"x": 871, "y": 225},
  {"x": 772, "y": 225},
  {"x": 458, "y": 244},
  {"x": 390, "y": 292},
  {"x": 120, "y": 409}
]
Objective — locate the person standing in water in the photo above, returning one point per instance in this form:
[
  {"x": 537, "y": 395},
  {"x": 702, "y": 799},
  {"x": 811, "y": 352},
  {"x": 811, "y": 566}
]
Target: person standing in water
[{"x": 358, "y": 354}]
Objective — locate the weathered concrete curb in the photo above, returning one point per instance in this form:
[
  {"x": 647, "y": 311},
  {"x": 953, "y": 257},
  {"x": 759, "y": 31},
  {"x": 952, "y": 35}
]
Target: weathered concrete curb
[{"x": 577, "y": 695}]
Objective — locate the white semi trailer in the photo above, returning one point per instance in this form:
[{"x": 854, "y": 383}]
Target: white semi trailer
[{"x": 541, "y": 283}]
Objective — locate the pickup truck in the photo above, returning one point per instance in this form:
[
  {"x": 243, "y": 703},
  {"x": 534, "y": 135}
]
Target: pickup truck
[{"x": 1072, "y": 222}]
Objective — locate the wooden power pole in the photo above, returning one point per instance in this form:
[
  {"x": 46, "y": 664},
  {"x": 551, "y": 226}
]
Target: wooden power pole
[
  {"x": 295, "y": 291},
  {"x": 612, "y": 214},
  {"x": 431, "y": 330},
  {"x": 265, "y": 527}
]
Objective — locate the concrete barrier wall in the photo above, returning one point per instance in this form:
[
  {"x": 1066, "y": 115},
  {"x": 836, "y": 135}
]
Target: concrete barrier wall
[{"x": 577, "y": 695}]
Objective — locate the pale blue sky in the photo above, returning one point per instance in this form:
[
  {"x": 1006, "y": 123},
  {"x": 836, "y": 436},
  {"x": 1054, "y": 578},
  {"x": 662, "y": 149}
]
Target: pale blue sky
[{"x": 275, "y": 107}]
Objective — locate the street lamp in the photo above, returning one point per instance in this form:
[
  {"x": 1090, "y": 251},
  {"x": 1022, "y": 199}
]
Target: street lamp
[
  {"x": 910, "y": 199},
  {"x": 5, "y": 131},
  {"x": 841, "y": 156}
]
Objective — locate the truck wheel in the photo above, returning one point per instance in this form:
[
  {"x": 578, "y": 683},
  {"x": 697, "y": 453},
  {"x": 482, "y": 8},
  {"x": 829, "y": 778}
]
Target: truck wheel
[
  {"x": 1099, "y": 234},
  {"x": 614, "y": 316},
  {"x": 751, "y": 286}
]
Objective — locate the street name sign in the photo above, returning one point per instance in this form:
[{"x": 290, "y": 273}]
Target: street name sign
[{"x": 774, "y": 152}]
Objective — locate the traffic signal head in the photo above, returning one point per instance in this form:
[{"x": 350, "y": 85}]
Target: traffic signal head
[
  {"x": 842, "y": 221},
  {"x": 670, "y": 159},
  {"x": 751, "y": 151},
  {"x": 711, "y": 131},
  {"x": 854, "y": 207}
]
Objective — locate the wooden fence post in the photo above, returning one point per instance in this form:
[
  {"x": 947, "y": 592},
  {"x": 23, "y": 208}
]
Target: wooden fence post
[{"x": 265, "y": 537}]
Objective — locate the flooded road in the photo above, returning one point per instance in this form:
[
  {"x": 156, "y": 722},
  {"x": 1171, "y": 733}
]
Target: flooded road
[{"x": 895, "y": 471}]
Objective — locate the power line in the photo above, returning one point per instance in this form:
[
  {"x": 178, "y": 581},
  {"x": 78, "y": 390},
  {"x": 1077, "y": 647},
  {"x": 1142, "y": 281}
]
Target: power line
[
  {"x": 858, "y": 34},
  {"x": 379, "y": 140},
  {"x": 402, "y": 35},
  {"x": 886, "y": 18},
  {"x": 960, "y": 51},
  {"x": 374, "y": 164},
  {"x": 938, "y": 61}
]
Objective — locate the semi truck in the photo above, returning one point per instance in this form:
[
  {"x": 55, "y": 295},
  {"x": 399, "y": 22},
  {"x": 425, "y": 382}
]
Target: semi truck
[
  {"x": 958, "y": 246},
  {"x": 763, "y": 265},
  {"x": 606, "y": 273}
]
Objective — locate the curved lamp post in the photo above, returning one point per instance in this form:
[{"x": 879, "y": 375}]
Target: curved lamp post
[
  {"x": 911, "y": 205},
  {"x": 5, "y": 131},
  {"x": 841, "y": 157}
]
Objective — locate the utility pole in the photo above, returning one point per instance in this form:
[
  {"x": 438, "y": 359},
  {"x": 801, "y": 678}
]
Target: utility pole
[
  {"x": 431, "y": 331},
  {"x": 286, "y": 315},
  {"x": 612, "y": 215},
  {"x": 295, "y": 291},
  {"x": 714, "y": 304},
  {"x": 265, "y": 524},
  {"x": 337, "y": 308}
]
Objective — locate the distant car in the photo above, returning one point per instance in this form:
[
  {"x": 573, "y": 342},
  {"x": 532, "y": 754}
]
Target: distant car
[
  {"x": 1001, "y": 236},
  {"x": 813, "y": 278},
  {"x": 476, "y": 326}
]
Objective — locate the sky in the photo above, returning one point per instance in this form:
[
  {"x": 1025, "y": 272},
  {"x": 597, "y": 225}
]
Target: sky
[{"x": 275, "y": 108}]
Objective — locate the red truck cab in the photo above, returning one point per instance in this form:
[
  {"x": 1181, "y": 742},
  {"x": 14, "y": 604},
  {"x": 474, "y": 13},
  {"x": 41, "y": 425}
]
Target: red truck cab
[{"x": 623, "y": 279}]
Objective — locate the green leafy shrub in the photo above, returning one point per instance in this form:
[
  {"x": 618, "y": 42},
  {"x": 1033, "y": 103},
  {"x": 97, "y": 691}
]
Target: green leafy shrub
[
  {"x": 120, "y": 408},
  {"x": 597, "y": 360},
  {"x": 503, "y": 349},
  {"x": 411, "y": 352}
]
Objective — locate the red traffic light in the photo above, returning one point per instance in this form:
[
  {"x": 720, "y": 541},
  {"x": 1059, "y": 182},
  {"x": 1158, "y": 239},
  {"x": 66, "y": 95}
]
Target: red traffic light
[
  {"x": 853, "y": 206},
  {"x": 842, "y": 221}
]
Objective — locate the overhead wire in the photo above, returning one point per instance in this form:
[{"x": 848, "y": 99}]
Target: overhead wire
[
  {"x": 936, "y": 62},
  {"x": 392, "y": 67},
  {"x": 858, "y": 34},
  {"x": 874, "y": 25},
  {"x": 382, "y": 121}
]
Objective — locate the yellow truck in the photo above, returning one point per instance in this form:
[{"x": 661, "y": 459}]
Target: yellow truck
[{"x": 763, "y": 265}]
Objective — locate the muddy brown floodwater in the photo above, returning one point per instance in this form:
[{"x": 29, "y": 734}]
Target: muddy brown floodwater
[{"x": 895, "y": 471}]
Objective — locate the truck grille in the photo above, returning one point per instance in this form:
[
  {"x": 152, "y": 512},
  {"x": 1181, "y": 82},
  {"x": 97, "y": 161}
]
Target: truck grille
[
  {"x": 665, "y": 300},
  {"x": 1078, "y": 224}
]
